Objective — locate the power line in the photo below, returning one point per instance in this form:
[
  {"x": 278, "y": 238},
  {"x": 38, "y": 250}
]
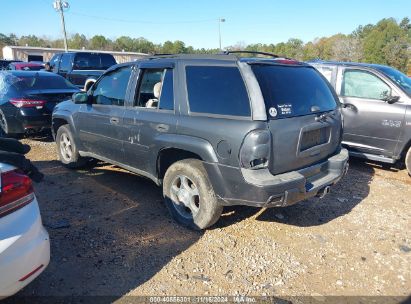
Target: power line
[{"x": 140, "y": 21}]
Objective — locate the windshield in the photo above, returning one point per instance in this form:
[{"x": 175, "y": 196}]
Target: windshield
[
  {"x": 399, "y": 78},
  {"x": 90, "y": 61},
  {"x": 291, "y": 91}
]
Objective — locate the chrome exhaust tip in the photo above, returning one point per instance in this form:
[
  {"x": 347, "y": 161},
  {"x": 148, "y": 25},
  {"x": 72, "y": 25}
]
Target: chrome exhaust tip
[{"x": 324, "y": 192}]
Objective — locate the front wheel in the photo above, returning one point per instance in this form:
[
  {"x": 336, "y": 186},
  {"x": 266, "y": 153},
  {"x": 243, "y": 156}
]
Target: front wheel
[
  {"x": 408, "y": 161},
  {"x": 189, "y": 196},
  {"x": 67, "y": 149}
]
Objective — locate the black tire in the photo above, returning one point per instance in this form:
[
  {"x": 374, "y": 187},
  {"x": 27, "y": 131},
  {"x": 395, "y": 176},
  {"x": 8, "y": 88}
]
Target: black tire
[
  {"x": 206, "y": 209},
  {"x": 4, "y": 128},
  {"x": 67, "y": 149},
  {"x": 408, "y": 161}
]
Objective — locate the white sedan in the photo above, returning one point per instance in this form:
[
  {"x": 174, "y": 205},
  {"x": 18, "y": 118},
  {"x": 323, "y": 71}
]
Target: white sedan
[{"x": 24, "y": 243}]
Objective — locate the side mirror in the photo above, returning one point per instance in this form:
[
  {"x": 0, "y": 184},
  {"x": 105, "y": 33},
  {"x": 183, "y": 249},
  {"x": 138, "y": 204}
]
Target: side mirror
[
  {"x": 80, "y": 98},
  {"x": 392, "y": 99}
]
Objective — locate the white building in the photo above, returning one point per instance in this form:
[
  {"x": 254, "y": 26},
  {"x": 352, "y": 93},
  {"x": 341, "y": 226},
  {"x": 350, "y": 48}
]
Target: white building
[{"x": 28, "y": 53}]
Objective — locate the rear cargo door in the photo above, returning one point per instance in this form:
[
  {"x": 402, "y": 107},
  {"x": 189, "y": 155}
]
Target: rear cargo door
[{"x": 304, "y": 118}]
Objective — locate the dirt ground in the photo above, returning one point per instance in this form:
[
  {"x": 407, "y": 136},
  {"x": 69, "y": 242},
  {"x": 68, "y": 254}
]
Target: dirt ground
[{"x": 111, "y": 235}]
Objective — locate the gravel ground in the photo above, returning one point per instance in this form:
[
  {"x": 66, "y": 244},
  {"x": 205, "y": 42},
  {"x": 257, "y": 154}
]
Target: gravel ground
[{"x": 111, "y": 235}]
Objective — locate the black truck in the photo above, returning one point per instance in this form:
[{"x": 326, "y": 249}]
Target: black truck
[{"x": 81, "y": 68}]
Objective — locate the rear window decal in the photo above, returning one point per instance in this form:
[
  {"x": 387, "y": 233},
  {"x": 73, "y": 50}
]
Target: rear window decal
[
  {"x": 273, "y": 112},
  {"x": 285, "y": 109}
]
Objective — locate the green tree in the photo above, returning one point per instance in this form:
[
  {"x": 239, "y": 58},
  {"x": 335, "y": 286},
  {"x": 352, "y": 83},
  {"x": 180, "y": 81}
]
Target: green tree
[
  {"x": 124, "y": 43},
  {"x": 77, "y": 41},
  {"x": 98, "y": 42},
  {"x": 31, "y": 40},
  {"x": 143, "y": 45},
  {"x": 387, "y": 43}
]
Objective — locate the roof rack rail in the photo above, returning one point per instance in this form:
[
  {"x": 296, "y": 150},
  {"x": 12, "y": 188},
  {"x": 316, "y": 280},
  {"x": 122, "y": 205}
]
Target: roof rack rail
[
  {"x": 162, "y": 54},
  {"x": 251, "y": 52}
]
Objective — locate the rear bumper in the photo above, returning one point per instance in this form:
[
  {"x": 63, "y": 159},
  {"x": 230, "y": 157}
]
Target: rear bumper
[
  {"x": 24, "y": 247},
  {"x": 259, "y": 188},
  {"x": 23, "y": 123}
]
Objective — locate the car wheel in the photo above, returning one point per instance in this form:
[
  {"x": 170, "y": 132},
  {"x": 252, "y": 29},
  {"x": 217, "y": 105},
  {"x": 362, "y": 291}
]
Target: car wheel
[
  {"x": 67, "y": 150},
  {"x": 189, "y": 196},
  {"x": 408, "y": 161},
  {"x": 4, "y": 128}
]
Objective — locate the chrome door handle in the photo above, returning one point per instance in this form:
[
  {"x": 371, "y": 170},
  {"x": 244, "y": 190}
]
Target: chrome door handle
[
  {"x": 114, "y": 120},
  {"x": 162, "y": 128}
]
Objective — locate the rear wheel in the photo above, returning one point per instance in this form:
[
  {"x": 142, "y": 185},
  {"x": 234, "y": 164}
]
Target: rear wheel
[
  {"x": 4, "y": 127},
  {"x": 67, "y": 149},
  {"x": 189, "y": 195},
  {"x": 408, "y": 161}
]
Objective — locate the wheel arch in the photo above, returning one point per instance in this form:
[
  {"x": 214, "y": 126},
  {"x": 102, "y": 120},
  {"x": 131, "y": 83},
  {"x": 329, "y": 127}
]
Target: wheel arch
[
  {"x": 180, "y": 147},
  {"x": 404, "y": 151}
]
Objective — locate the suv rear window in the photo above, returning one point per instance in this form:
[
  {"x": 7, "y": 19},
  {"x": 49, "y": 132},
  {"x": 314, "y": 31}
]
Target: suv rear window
[
  {"x": 91, "y": 61},
  {"x": 293, "y": 91},
  {"x": 217, "y": 90}
]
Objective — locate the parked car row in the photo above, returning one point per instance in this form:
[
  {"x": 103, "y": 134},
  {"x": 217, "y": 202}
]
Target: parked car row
[
  {"x": 5, "y": 63},
  {"x": 211, "y": 130},
  {"x": 21, "y": 66}
]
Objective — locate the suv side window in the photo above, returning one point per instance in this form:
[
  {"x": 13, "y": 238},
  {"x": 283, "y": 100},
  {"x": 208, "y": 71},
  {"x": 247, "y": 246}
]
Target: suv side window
[
  {"x": 65, "y": 63},
  {"x": 112, "y": 87},
  {"x": 363, "y": 84},
  {"x": 155, "y": 89},
  {"x": 217, "y": 90}
]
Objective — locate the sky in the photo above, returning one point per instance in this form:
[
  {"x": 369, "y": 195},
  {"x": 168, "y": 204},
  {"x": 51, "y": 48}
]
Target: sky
[{"x": 196, "y": 21}]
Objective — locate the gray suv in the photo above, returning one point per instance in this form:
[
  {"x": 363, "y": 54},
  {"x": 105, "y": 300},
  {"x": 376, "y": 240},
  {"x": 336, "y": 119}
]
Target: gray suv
[
  {"x": 376, "y": 101},
  {"x": 212, "y": 130}
]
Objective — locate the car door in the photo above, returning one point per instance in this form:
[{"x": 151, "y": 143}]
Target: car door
[
  {"x": 65, "y": 64},
  {"x": 149, "y": 116},
  {"x": 55, "y": 63},
  {"x": 371, "y": 124},
  {"x": 100, "y": 123}
]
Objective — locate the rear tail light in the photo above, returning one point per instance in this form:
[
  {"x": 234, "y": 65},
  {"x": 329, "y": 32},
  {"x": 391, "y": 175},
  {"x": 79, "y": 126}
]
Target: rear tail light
[
  {"x": 16, "y": 192},
  {"x": 27, "y": 103},
  {"x": 255, "y": 150}
]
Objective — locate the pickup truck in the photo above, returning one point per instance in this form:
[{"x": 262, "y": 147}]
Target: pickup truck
[
  {"x": 376, "y": 107},
  {"x": 81, "y": 68}
]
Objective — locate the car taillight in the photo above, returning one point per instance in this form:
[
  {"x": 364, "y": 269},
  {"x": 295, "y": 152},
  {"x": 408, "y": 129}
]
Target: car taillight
[
  {"x": 27, "y": 103},
  {"x": 16, "y": 192},
  {"x": 255, "y": 150}
]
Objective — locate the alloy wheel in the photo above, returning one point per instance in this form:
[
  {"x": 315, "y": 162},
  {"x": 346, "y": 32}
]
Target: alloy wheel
[
  {"x": 66, "y": 147},
  {"x": 185, "y": 196}
]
